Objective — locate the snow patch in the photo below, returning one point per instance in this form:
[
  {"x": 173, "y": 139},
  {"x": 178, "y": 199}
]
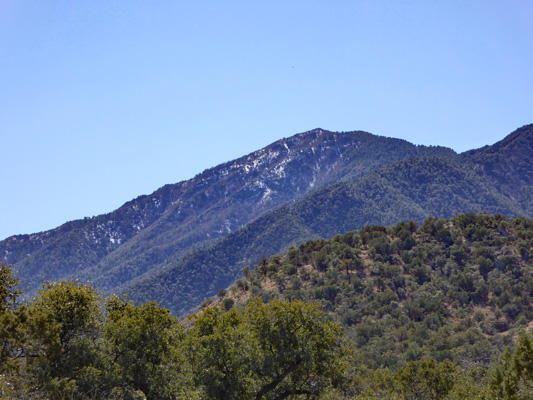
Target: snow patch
[
  {"x": 279, "y": 170},
  {"x": 312, "y": 183},
  {"x": 139, "y": 226},
  {"x": 225, "y": 228},
  {"x": 273, "y": 155},
  {"x": 266, "y": 195}
]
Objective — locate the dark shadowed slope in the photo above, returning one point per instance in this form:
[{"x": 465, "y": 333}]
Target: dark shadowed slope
[{"x": 508, "y": 164}]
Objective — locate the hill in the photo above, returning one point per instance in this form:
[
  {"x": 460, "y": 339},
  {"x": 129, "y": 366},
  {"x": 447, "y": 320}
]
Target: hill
[
  {"x": 508, "y": 165},
  {"x": 458, "y": 289}
]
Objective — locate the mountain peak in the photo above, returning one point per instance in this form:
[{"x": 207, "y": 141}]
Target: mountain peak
[
  {"x": 520, "y": 136},
  {"x": 520, "y": 140},
  {"x": 316, "y": 130}
]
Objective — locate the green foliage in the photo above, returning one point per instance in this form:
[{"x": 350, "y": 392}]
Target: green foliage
[
  {"x": 296, "y": 351},
  {"x": 12, "y": 319},
  {"x": 427, "y": 380},
  {"x": 65, "y": 322},
  {"x": 422, "y": 318},
  {"x": 418, "y": 380},
  {"x": 214, "y": 350},
  {"x": 268, "y": 351},
  {"x": 73, "y": 306},
  {"x": 76, "y": 345},
  {"x": 512, "y": 376},
  {"x": 404, "y": 293},
  {"x": 141, "y": 342},
  {"x": 9, "y": 291}
]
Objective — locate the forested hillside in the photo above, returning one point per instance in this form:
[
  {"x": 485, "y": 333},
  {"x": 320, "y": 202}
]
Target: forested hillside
[
  {"x": 458, "y": 289},
  {"x": 508, "y": 165}
]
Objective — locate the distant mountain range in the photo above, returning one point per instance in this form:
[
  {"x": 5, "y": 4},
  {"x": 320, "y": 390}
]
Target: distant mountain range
[{"x": 186, "y": 241}]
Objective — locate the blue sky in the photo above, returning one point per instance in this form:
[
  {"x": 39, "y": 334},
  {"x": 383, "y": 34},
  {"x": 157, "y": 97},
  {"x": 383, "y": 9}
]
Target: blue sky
[{"x": 102, "y": 101}]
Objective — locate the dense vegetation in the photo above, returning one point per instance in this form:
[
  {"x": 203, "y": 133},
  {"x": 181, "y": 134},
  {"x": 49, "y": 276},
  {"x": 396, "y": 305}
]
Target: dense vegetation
[
  {"x": 508, "y": 165},
  {"x": 458, "y": 289},
  {"x": 70, "y": 343},
  {"x": 436, "y": 311}
]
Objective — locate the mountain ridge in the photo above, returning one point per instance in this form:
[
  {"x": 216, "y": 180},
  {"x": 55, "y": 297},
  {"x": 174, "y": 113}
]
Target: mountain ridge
[
  {"x": 156, "y": 230},
  {"x": 508, "y": 164},
  {"x": 376, "y": 199}
]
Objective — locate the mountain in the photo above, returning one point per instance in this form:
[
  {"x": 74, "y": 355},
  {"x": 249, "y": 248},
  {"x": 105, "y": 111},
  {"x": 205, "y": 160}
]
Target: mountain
[
  {"x": 151, "y": 234},
  {"x": 414, "y": 189},
  {"x": 184, "y": 242},
  {"x": 508, "y": 165}
]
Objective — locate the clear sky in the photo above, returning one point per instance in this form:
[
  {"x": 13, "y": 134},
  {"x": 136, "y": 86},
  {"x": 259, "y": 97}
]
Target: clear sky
[{"x": 102, "y": 101}]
